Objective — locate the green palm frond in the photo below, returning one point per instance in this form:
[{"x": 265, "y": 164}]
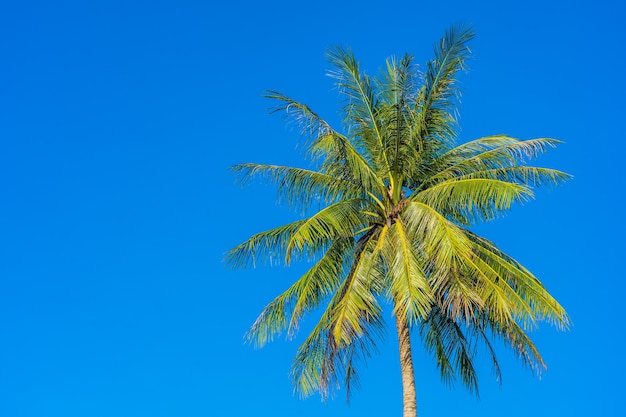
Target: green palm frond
[
  {"x": 410, "y": 289},
  {"x": 267, "y": 247},
  {"x": 300, "y": 187},
  {"x": 532, "y": 176},
  {"x": 319, "y": 282},
  {"x": 474, "y": 147},
  {"x": 446, "y": 248},
  {"x": 355, "y": 307},
  {"x": 523, "y": 282},
  {"x": 321, "y": 364},
  {"x": 315, "y": 367},
  {"x": 441, "y": 241},
  {"x": 311, "y": 125},
  {"x": 399, "y": 83},
  {"x": 345, "y": 335},
  {"x": 361, "y": 105},
  {"x": 437, "y": 98},
  {"x": 342, "y": 219},
  {"x": 453, "y": 351},
  {"x": 399, "y": 92},
  {"x": 472, "y": 199},
  {"x": 518, "y": 341},
  {"x": 347, "y": 331},
  {"x": 509, "y": 153},
  {"x": 340, "y": 159}
]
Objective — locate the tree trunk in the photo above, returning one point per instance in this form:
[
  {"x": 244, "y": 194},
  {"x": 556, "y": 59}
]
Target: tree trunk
[{"x": 406, "y": 366}]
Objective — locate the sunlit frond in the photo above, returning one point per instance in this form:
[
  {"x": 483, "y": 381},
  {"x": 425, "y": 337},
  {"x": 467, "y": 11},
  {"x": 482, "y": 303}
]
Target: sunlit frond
[
  {"x": 438, "y": 96},
  {"x": 346, "y": 333},
  {"x": 523, "y": 282},
  {"x": 399, "y": 89},
  {"x": 355, "y": 308},
  {"x": 300, "y": 187},
  {"x": 481, "y": 155},
  {"x": 342, "y": 219},
  {"x": 475, "y": 147},
  {"x": 340, "y": 159},
  {"x": 445, "y": 247},
  {"x": 532, "y": 176},
  {"x": 319, "y": 282},
  {"x": 472, "y": 199},
  {"x": 267, "y": 247},
  {"x": 410, "y": 289},
  {"x": 440, "y": 240},
  {"x": 361, "y": 105}
]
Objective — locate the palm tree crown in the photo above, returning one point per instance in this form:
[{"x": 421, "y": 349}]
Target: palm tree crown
[{"x": 389, "y": 205}]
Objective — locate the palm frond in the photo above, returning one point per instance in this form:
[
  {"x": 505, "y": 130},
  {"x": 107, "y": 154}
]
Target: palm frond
[
  {"x": 437, "y": 98},
  {"x": 310, "y": 124},
  {"x": 472, "y": 199},
  {"x": 267, "y": 247},
  {"x": 346, "y": 333},
  {"x": 299, "y": 187},
  {"x": 409, "y": 289},
  {"x": 399, "y": 83},
  {"x": 340, "y": 159},
  {"x": 531, "y": 176},
  {"x": 439, "y": 239},
  {"x": 475, "y": 147},
  {"x": 444, "y": 246},
  {"x": 342, "y": 219},
  {"x": 315, "y": 367},
  {"x": 453, "y": 351},
  {"x": 286, "y": 310},
  {"x": 523, "y": 282},
  {"x": 320, "y": 363},
  {"x": 361, "y": 105},
  {"x": 518, "y": 341},
  {"x": 355, "y": 307},
  {"x": 399, "y": 93},
  {"x": 480, "y": 155}
]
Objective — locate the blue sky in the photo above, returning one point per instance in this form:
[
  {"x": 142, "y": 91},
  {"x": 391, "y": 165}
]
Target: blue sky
[{"x": 118, "y": 122}]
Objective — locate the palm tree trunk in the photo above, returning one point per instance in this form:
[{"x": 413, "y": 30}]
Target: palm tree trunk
[{"x": 406, "y": 366}]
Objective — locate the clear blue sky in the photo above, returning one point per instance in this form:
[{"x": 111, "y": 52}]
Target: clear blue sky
[{"x": 118, "y": 122}]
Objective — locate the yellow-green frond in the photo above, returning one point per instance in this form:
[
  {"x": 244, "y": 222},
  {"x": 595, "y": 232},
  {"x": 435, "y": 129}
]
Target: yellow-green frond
[
  {"x": 339, "y": 158},
  {"x": 437, "y": 99},
  {"x": 409, "y": 289},
  {"x": 300, "y": 187},
  {"x": 263, "y": 248},
  {"x": 543, "y": 305},
  {"x": 342, "y": 219},
  {"x": 480, "y": 155},
  {"x": 361, "y": 104},
  {"x": 472, "y": 199},
  {"x": 532, "y": 176},
  {"x": 313, "y": 288},
  {"x": 355, "y": 307}
]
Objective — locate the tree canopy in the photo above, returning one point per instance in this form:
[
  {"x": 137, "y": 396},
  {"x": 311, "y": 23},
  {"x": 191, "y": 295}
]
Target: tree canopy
[{"x": 388, "y": 201}]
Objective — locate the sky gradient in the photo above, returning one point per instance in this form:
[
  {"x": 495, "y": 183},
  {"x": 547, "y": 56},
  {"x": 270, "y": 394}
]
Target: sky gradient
[{"x": 119, "y": 121}]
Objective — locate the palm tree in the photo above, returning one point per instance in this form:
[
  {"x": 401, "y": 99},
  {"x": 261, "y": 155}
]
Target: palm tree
[{"x": 387, "y": 213}]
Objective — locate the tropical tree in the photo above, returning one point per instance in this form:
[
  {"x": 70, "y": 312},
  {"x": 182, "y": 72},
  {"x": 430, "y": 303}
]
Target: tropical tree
[{"x": 387, "y": 209}]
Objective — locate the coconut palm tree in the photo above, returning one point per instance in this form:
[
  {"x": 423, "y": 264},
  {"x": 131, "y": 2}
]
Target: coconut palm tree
[{"x": 387, "y": 210}]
